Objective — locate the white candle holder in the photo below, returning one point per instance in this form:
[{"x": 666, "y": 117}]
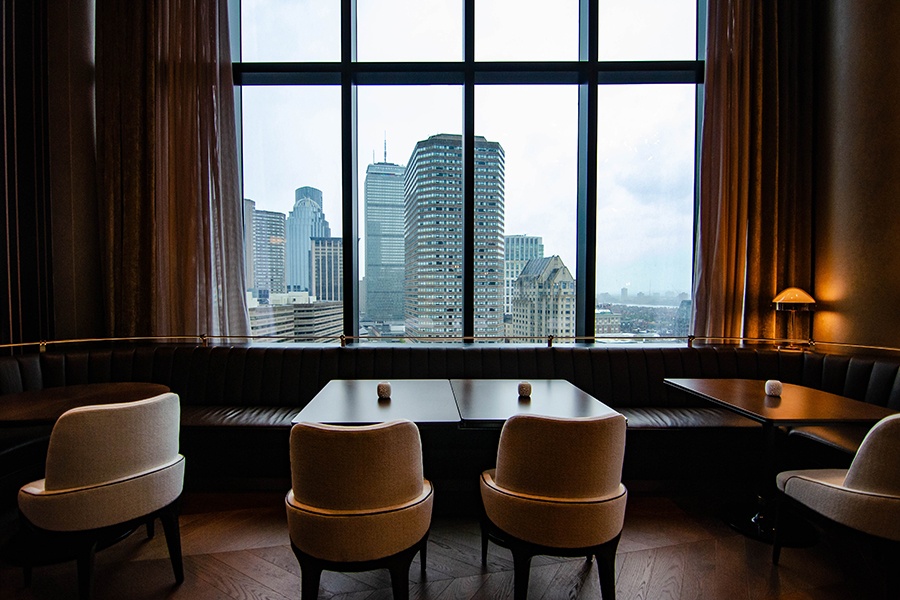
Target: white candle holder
[
  {"x": 384, "y": 390},
  {"x": 524, "y": 390},
  {"x": 773, "y": 387}
]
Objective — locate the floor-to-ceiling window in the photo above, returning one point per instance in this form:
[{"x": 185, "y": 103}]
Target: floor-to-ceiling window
[{"x": 496, "y": 170}]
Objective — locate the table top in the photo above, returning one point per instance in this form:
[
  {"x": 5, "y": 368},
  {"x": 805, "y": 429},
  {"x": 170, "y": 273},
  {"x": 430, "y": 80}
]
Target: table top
[
  {"x": 356, "y": 402},
  {"x": 487, "y": 403},
  {"x": 48, "y": 404},
  {"x": 796, "y": 405}
]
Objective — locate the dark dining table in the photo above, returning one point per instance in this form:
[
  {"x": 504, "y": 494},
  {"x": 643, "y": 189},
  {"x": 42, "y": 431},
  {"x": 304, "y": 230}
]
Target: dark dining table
[
  {"x": 488, "y": 403},
  {"x": 356, "y": 402},
  {"x": 796, "y": 405},
  {"x": 45, "y": 406}
]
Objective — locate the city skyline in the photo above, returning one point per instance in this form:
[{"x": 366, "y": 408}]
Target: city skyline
[{"x": 291, "y": 135}]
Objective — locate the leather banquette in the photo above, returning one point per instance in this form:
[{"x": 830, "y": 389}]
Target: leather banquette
[{"x": 237, "y": 402}]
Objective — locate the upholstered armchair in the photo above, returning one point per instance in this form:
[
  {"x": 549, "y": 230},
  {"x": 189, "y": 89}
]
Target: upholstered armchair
[
  {"x": 865, "y": 497},
  {"x": 358, "y": 501},
  {"x": 110, "y": 469},
  {"x": 557, "y": 490}
]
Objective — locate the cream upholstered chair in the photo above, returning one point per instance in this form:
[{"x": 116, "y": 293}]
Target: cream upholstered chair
[
  {"x": 358, "y": 501},
  {"x": 110, "y": 468},
  {"x": 557, "y": 490},
  {"x": 865, "y": 497}
]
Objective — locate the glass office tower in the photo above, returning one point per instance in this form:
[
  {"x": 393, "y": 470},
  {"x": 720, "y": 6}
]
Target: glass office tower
[
  {"x": 306, "y": 221},
  {"x": 384, "y": 200},
  {"x": 434, "y": 238}
]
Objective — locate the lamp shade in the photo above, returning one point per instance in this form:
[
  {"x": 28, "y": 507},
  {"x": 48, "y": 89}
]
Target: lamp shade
[{"x": 794, "y": 299}]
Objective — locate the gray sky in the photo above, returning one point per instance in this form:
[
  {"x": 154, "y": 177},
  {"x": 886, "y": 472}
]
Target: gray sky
[{"x": 292, "y": 134}]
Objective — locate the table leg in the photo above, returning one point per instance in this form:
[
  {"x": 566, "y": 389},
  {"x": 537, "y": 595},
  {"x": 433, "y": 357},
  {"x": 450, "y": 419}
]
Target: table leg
[{"x": 761, "y": 525}]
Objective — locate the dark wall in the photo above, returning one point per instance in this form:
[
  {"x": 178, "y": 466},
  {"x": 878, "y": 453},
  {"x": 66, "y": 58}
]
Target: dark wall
[{"x": 857, "y": 231}]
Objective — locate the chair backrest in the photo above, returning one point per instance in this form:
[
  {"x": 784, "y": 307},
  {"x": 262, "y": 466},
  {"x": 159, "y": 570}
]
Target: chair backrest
[
  {"x": 356, "y": 468},
  {"x": 562, "y": 458},
  {"x": 97, "y": 444},
  {"x": 876, "y": 466}
]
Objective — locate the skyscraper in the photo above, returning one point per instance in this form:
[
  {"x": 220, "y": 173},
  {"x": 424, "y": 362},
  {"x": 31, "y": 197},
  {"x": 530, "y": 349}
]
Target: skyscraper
[
  {"x": 327, "y": 268},
  {"x": 544, "y": 300},
  {"x": 249, "y": 278},
  {"x": 384, "y": 205},
  {"x": 434, "y": 238},
  {"x": 519, "y": 250},
  {"x": 306, "y": 221},
  {"x": 268, "y": 253}
]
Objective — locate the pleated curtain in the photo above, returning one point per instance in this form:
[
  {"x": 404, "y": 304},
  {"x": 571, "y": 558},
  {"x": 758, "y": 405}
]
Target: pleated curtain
[
  {"x": 755, "y": 221},
  {"x": 171, "y": 216}
]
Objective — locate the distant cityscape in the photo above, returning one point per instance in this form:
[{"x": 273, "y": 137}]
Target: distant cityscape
[{"x": 413, "y": 240}]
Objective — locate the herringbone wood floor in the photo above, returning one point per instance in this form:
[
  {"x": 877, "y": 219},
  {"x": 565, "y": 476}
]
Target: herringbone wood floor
[{"x": 673, "y": 547}]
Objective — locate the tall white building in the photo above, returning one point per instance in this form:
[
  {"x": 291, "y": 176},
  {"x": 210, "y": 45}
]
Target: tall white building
[
  {"x": 305, "y": 221},
  {"x": 544, "y": 300},
  {"x": 384, "y": 206},
  {"x": 268, "y": 253},
  {"x": 434, "y": 238},
  {"x": 519, "y": 250},
  {"x": 327, "y": 268}
]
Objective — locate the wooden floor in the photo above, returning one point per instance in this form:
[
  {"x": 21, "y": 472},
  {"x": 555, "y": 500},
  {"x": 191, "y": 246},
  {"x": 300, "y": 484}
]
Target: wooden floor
[{"x": 673, "y": 547}]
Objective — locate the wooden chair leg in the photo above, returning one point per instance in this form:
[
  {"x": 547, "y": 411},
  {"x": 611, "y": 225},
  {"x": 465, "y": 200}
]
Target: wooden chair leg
[
  {"x": 85, "y": 567},
  {"x": 310, "y": 576},
  {"x": 484, "y": 541},
  {"x": 151, "y": 528},
  {"x": 172, "y": 530},
  {"x": 606, "y": 568},
  {"x": 521, "y": 574},
  {"x": 423, "y": 554},
  {"x": 399, "y": 570},
  {"x": 776, "y": 532}
]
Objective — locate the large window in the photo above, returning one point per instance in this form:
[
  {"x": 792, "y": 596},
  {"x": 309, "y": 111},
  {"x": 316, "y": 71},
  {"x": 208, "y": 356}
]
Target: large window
[{"x": 488, "y": 170}]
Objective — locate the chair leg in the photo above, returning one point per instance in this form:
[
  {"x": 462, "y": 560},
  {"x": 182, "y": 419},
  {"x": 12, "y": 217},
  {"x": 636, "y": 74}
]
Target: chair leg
[
  {"x": 399, "y": 570},
  {"x": 423, "y": 554},
  {"x": 522, "y": 572},
  {"x": 85, "y": 567},
  {"x": 309, "y": 582},
  {"x": 484, "y": 541},
  {"x": 151, "y": 528},
  {"x": 606, "y": 568},
  {"x": 776, "y": 532},
  {"x": 172, "y": 530},
  {"x": 26, "y": 576}
]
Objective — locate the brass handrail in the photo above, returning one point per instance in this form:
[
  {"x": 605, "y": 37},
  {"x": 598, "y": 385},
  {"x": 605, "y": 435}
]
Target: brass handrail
[{"x": 344, "y": 340}]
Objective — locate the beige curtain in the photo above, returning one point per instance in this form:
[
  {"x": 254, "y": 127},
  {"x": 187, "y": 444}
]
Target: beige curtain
[
  {"x": 168, "y": 169},
  {"x": 754, "y": 234}
]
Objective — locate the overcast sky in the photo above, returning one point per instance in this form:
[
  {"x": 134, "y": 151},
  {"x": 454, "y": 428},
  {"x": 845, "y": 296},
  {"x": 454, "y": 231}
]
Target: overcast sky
[{"x": 292, "y": 134}]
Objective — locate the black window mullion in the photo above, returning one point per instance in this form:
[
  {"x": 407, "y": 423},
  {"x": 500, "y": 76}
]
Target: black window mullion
[
  {"x": 586, "y": 219},
  {"x": 349, "y": 194},
  {"x": 468, "y": 143}
]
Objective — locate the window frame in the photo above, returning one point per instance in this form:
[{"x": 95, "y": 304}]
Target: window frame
[{"x": 588, "y": 73}]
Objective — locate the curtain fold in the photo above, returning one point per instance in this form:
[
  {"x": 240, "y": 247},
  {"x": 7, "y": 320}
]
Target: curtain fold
[
  {"x": 26, "y": 307},
  {"x": 754, "y": 233},
  {"x": 168, "y": 169}
]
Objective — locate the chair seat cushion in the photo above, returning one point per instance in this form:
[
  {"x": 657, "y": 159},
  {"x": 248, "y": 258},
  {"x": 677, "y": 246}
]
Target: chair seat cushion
[
  {"x": 93, "y": 507},
  {"x": 823, "y": 491},
  {"x": 238, "y": 416},
  {"x": 844, "y": 436},
  {"x": 683, "y": 417},
  {"x": 359, "y": 535},
  {"x": 558, "y": 523}
]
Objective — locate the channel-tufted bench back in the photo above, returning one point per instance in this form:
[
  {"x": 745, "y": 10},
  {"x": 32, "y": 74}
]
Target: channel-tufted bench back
[{"x": 292, "y": 375}]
